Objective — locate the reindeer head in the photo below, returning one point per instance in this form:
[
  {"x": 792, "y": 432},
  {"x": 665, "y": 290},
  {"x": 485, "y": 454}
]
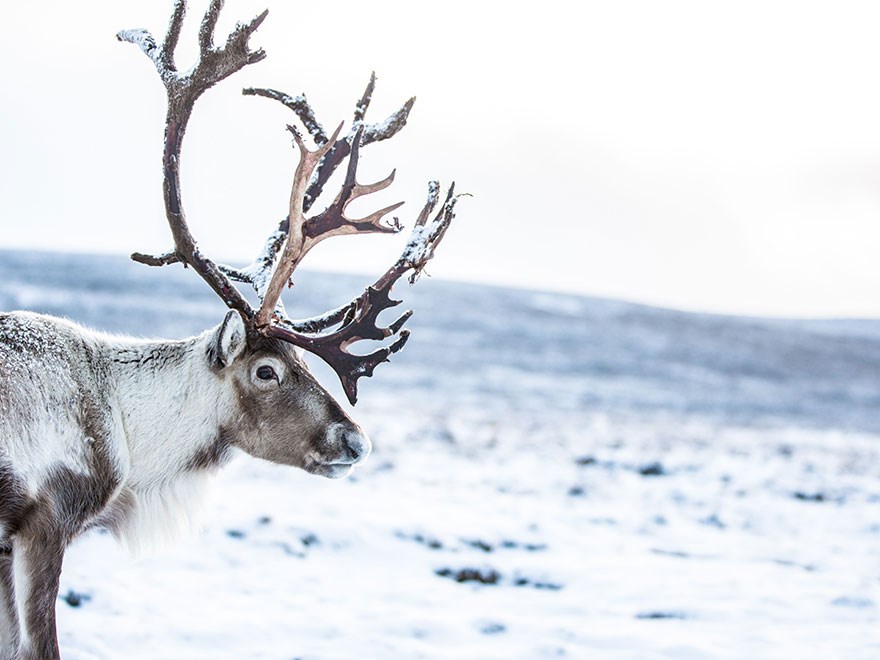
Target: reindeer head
[
  {"x": 272, "y": 380},
  {"x": 281, "y": 413}
]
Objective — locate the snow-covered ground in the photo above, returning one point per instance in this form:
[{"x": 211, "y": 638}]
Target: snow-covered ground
[{"x": 552, "y": 476}]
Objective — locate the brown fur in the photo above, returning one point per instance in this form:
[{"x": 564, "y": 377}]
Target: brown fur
[{"x": 287, "y": 408}]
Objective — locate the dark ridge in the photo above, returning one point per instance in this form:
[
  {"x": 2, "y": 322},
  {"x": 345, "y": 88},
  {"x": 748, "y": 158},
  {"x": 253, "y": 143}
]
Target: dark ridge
[
  {"x": 601, "y": 355},
  {"x": 661, "y": 615}
]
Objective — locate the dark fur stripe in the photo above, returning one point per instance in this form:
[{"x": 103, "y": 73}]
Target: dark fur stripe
[
  {"x": 13, "y": 503},
  {"x": 214, "y": 455}
]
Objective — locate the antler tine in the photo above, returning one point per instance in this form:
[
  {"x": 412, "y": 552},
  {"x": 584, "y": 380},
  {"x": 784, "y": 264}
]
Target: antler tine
[
  {"x": 332, "y": 347},
  {"x": 425, "y": 237},
  {"x": 360, "y": 317},
  {"x": 173, "y": 34},
  {"x": 209, "y": 23},
  {"x": 371, "y": 133},
  {"x": 299, "y": 105},
  {"x": 333, "y": 221},
  {"x": 423, "y": 240},
  {"x": 360, "y": 109},
  {"x": 296, "y": 244},
  {"x": 182, "y": 90},
  {"x": 304, "y": 233}
]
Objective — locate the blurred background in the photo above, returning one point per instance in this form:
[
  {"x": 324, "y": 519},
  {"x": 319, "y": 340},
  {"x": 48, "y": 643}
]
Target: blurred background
[{"x": 706, "y": 156}]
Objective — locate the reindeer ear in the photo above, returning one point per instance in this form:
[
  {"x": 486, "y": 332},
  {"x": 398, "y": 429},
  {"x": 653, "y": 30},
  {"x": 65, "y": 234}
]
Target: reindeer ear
[{"x": 229, "y": 341}]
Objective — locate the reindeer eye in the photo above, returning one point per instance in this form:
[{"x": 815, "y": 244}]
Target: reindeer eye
[{"x": 266, "y": 372}]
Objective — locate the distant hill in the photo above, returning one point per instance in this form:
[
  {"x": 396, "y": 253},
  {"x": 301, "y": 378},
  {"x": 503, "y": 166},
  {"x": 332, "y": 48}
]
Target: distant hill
[{"x": 516, "y": 349}]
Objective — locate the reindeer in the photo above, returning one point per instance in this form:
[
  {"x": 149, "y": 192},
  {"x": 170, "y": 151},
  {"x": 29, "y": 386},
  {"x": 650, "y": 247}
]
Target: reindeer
[{"x": 121, "y": 433}]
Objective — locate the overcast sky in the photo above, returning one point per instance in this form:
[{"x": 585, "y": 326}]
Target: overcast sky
[{"x": 702, "y": 155}]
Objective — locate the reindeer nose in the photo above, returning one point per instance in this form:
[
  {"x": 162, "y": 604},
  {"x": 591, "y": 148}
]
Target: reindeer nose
[
  {"x": 353, "y": 443},
  {"x": 357, "y": 445}
]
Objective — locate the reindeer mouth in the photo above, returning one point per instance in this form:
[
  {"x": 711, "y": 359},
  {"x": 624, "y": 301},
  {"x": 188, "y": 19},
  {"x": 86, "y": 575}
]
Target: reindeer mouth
[{"x": 329, "y": 469}]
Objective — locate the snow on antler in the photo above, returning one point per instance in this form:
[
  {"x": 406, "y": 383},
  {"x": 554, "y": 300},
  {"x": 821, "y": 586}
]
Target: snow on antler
[{"x": 287, "y": 245}]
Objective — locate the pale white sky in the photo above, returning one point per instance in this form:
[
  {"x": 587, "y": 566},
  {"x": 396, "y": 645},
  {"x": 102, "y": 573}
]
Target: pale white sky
[{"x": 703, "y": 155}]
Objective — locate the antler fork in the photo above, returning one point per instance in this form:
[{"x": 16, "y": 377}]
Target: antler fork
[{"x": 331, "y": 334}]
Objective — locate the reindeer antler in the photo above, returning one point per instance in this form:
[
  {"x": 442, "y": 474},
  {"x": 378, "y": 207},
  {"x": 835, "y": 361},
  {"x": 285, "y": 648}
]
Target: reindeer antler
[
  {"x": 342, "y": 146},
  {"x": 304, "y": 233},
  {"x": 358, "y": 319},
  {"x": 296, "y": 234},
  {"x": 214, "y": 65}
]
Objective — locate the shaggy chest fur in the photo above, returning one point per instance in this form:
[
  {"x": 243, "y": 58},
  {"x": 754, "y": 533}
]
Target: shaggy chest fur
[{"x": 92, "y": 419}]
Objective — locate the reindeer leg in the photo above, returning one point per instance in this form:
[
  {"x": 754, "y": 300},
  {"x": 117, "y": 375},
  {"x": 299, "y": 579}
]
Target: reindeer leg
[
  {"x": 8, "y": 614},
  {"x": 37, "y": 559}
]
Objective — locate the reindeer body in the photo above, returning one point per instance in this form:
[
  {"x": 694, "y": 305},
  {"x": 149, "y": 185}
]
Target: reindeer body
[
  {"x": 122, "y": 433},
  {"x": 122, "y": 414}
]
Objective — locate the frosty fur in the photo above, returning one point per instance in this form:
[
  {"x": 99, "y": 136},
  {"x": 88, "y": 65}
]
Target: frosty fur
[{"x": 97, "y": 430}]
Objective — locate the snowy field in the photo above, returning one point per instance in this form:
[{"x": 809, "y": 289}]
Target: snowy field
[{"x": 552, "y": 476}]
